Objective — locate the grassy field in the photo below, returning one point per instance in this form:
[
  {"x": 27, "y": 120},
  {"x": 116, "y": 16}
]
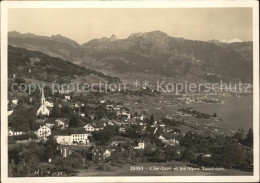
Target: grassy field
[{"x": 174, "y": 168}]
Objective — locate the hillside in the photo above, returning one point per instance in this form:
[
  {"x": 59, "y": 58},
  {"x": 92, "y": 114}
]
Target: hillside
[
  {"x": 152, "y": 53},
  {"x": 56, "y": 45},
  {"x": 39, "y": 66}
]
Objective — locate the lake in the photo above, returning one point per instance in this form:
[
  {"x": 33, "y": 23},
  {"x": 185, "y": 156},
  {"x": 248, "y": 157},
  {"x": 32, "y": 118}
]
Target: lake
[{"x": 236, "y": 112}]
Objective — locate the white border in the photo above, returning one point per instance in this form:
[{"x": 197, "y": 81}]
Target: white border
[{"x": 128, "y": 4}]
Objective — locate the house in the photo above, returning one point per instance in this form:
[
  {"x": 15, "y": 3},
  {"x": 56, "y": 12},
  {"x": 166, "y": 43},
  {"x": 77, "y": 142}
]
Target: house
[
  {"x": 139, "y": 117},
  {"x": 63, "y": 139},
  {"x": 110, "y": 123},
  {"x": 171, "y": 141},
  {"x": 73, "y": 139},
  {"x": 43, "y": 110},
  {"x": 97, "y": 154},
  {"x": 43, "y": 132},
  {"x": 92, "y": 116},
  {"x": 62, "y": 91},
  {"x": 109, "y": 106},
  {"x": 100, "y": 154},
  {"x": 126, "y": 114},
  {"x": 14, "y": 133},
  {"x": 118, "y": 107},
  {"x": 89, "y": 128},
  {"x": 60, "y": 123},
  {"x": 140, "y": 145},
  {"x": 122, "y": 130},
  {"x": 81, "y": 138},
  {"x": 202, "y": 155},
  {"x": 162, "y": 125},
  {"x": 67, "y": 97},
  {"x": 15, "y": 102},
  {"x": 162, "y": 138},
  {"x": 107, "y": 153},
  {"x": 10, "y": 112},
  {"x": 82, "y": 115}
]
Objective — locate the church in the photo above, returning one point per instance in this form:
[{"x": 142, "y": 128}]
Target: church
[{"x": 43, "y": 110}]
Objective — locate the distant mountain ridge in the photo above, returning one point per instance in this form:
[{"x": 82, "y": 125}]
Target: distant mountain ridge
[
  {"x": 152, "y": 52},
  {"x": 42, "y": 67},
  {"x": 58, "y": 38}
]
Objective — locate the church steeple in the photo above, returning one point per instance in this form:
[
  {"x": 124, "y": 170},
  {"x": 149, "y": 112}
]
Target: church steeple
[{"x": 43, "y": 98}]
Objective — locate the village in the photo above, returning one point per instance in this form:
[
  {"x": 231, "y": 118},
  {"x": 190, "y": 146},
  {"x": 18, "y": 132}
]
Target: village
[{"x": 99, "y": 130}]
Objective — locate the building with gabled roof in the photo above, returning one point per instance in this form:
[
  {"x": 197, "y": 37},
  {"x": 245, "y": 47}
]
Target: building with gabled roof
[{"x": 43, "y": 110}]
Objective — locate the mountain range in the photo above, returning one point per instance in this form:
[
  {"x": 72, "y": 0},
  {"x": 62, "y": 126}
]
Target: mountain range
[{"x": 149, "y": 54}]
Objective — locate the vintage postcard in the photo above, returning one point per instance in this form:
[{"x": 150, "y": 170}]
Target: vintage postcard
[{"x": 124, "y": 91}]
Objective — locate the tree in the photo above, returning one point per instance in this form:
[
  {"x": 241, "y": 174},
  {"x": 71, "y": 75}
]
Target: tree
[
  {"x": 19, "y": 80},
  {"x": 134, "y": 131},
  {"x": 214, "y": 115},
  {"x": 232, "y": 155},
  {"x": 171, "y": 153},
  {"x": 56, "y": 112},
  {"x": 249, "y": 138},
  {"x": 103, "y": 137},
  {"x": 66, "y": 110},
  {"x": 49, "y": 152},
  {"x": 187, "y": 155},
  {"x": 11, "y": 168},
  {"x": 74, "y": 121},
  {"x": 151, "y": 121}
]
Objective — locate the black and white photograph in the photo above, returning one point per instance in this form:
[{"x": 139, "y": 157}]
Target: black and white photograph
[{"x": 121, "y": 91}]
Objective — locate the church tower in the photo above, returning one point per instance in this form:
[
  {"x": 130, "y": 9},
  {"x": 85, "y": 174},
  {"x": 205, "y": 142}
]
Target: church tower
[
  {"x": 43, "y": 98},
  {"x": 43, "y": 110}
]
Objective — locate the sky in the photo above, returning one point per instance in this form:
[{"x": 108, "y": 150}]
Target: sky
[{"x": 82, "y": 25}]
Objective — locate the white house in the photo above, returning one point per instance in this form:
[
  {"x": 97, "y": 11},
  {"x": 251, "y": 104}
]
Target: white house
[
  {"x": 122, "y": 130},
  {"x": 64, "y": 139},
  {"x": 10, "y": 112},
  {"x": 126, "y": 114},
  {"x": 82, "y": 114},
  {"x": 89, "y": 128},
  {"x": 73, "y": 138},
  {"x": 162, "y": 138},
  {"x": 81, "y": 138},
  {"x": 140, "y": 145},
  {"x": 14, "y": 133},
  {"x": 43, "y": 132},
  {"x": 107, "y": 153},
  {"x": 43, "y": 110},
  {"x": 15, "y": 101},
  {"x": 140, "y": 117},
  {"x": 172, "y": 141},
  {"x": 67, "y": 97}
]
